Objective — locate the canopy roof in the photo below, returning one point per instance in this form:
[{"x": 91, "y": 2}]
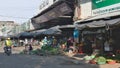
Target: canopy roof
[
  {"x": 100, "y": 23},
  {"x": 25, "y": 34},
  {"x": 52, "y": 30}
]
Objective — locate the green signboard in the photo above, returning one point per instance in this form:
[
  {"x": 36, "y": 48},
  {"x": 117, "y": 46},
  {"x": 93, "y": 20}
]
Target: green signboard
[{"x": 103, "y": 3}]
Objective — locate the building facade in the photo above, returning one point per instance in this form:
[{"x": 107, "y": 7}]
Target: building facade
[
  {"x": 98, "y": 21},
  {"x": 96, "y": 9},
  {"x": 6, "y": 27}
]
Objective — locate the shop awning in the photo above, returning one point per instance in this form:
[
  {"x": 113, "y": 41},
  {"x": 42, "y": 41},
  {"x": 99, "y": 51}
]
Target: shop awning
[
  {"x": 52, "y": 30},
  {"x": 38, "y": 32},
  {"x": 100, "y": 23},
  {"x": 24, "y": 34},
  {"x": 102, "y": 16},
  {"x": 114, "y": 21},
  {"x": 56, "y": 12},
  {"x": 66, "y": 26}
]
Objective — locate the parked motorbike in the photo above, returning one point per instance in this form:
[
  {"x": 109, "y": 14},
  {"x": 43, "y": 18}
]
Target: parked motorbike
[{"x": 7, "y": 50}]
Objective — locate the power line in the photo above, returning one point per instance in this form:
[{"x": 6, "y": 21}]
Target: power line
[{"x": 14, "y": 17}]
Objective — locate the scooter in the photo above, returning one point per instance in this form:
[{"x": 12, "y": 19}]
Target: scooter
[{"x": 7, "y": 50}]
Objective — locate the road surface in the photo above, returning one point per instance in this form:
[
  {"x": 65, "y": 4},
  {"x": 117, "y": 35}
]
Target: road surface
[{"x": 17, "y": 60}]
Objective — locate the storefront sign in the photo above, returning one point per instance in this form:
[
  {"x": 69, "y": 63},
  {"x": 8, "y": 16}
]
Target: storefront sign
[
  {"x": 104, "y": 6},
  {"x": 45, "y": 3}
]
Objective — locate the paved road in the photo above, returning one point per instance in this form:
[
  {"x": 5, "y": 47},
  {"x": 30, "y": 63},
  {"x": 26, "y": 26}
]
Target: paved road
[{"x": 31, "y": 61}]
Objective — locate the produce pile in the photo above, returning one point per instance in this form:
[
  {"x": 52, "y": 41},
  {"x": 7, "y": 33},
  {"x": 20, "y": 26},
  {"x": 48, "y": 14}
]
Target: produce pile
[
  {"x": 103, "y": 59},
  {"x": 45, "y": 50}
]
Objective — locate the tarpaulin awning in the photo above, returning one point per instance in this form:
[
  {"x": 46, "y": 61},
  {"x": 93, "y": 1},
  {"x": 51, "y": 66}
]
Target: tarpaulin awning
[
  {"x": 54, "y": 13},
  {"x": 25, "y": 34},
  {"x": 66, "y": 26},
  {"x": 100, "y": 23},
  {"x": 38, "y": 32},
  {"x": 52, "y": 30}
]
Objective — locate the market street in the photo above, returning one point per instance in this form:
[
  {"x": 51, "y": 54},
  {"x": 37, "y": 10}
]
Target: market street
[
  {"x": 29, "y": 61},
  {"x": 32, "y": 61}
]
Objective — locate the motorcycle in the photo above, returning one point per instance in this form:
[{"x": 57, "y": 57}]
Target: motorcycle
[{"x": 7, "y": 50}]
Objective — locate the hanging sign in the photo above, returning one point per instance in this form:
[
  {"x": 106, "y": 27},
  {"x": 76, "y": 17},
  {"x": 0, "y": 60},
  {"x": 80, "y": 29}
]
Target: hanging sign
[{"x": 105, "y": 6}]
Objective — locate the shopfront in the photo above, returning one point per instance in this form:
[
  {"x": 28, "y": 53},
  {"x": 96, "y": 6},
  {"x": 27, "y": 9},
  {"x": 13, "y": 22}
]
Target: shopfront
[{"x": 100, "y": 36}]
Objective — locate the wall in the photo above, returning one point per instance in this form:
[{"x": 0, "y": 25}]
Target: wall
[
  {"x": 6, "y": 27},
  {"x": 95, "y": 9},
  {"x": 86, "y": 9}
]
